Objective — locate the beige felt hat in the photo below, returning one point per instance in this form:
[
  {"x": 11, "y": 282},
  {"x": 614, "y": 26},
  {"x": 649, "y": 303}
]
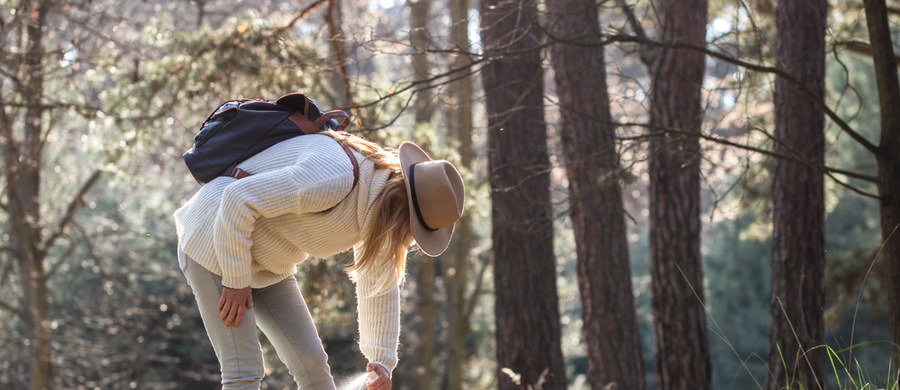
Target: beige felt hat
[{"x": 436, "y": 197}]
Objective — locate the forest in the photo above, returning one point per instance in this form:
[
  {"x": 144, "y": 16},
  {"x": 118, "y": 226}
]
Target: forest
[{"x": 660, "y": 194}]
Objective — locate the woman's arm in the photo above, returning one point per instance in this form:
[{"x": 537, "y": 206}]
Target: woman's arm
[
  {"x": 296, "y": 188},
  {"x": 378, "y": 307}
]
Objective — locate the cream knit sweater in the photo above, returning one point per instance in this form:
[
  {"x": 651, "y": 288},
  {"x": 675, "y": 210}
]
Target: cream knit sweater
[{"x": 254, "y": 231}]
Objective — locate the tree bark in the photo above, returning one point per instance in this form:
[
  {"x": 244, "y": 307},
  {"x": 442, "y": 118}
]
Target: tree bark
[
  {"x": 796, "y": 325},
  {"x": 889, "y": 152},
  {"x": 610, "y": 326},
  {"x": 529, "y": 354},
  {"x": 459, "y": 126},
  {"x": 682, "y": 358}
]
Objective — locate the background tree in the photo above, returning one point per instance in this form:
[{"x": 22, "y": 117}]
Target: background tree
[
  {"x": 595, "y": 197},
  {"x": 425, "y": 278},
  {"x": 459, "y": 113},
  {"x": 526, "y": 309},
  {"x": 798, "y": 203},
  {"x": 679, "y": 319},
  {"x": 23, "y": 178},
  {"x": 888, "y": 153}
]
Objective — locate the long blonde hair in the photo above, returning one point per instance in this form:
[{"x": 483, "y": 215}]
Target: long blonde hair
[{"x": 391, "y": 233}]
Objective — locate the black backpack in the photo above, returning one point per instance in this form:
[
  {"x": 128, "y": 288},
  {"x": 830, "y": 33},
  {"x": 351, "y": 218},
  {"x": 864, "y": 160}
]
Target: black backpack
[{"x": 239, "y": 129}]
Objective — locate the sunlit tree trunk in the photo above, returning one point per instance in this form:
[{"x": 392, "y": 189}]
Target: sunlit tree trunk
[
  {"x": 889, "y": 152},
  {"x": 425, "y": 303},
  {"x": 796, "y": 327},
  {"x": 459, "y": 125},
  {"x": 679, "y": 320},
  {"x": 527, "y": 307},
  {"x": 343, "y": 94},
  {"x": 604, "y": 278}
]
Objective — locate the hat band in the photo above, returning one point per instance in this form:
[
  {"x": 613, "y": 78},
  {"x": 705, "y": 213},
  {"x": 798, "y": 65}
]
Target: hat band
[{"x": 415, "y": 200}]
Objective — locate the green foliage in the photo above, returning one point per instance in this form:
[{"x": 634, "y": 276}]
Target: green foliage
[{"x": 855, "y": 376}]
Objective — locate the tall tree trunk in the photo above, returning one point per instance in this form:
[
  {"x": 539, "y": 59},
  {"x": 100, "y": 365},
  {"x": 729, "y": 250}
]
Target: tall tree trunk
[
  {"x": 425, "y": 302},
  {"x": 341, "y": 79},
  {"x": 592, "y": 164},
  {"x": 679, "y": 320},
  {"x": 889, "y": 155},
  {"x": 459, "y": 125},
  {"x": 796, "y": 325},
  {"x": 25, "y": 201},
  {"x": 527, "y": 307}
]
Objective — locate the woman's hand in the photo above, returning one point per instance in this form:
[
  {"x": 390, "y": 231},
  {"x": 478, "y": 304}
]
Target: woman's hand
[
  {"x": 232, "y": 303},
  {"x": 381, "y": 380}
]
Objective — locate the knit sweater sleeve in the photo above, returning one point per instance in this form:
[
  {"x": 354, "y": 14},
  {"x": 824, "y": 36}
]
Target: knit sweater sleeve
[
  {"x": 378, "y": 307},
  {"x": 299, "y": 188}
]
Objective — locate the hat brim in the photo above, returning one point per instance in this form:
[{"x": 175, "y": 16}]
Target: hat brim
[{"x": 433, "y": 243}]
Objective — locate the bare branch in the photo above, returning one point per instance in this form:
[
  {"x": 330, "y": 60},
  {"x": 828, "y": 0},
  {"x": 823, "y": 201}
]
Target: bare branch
[
  {"x": 76, "y": 203},
  {"x": 299, "y": 15},
  {"x": 473, "y": 299},
  {"x": 10, "y": 308},
  {"x": 860, "y": 47},
  {"x": 62, "y": 258},
  {"x": 755, "y": 67},
  {"x": 56, "y": 105},
  {"x": 763, "y": 6},
  {"x": 827, "y": 171},
  {"x": 632, "y": 19},
  {"x": 647, "y": 54}
]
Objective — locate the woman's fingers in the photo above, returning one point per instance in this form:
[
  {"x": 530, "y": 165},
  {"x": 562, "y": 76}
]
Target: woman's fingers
[
  {"x": 238, "y": 315},
  {"x": 232, "y": 304},
  {"x": 382, "y": 379}
]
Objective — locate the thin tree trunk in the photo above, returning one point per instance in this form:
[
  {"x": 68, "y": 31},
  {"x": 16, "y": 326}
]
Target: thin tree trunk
[
  {"x": 425, "y": 325},
  {"x": 418, "y": 37},
  {"x": 425, "y": 285},
  {"x": 682, "y": 358},
  {"x": 889, "y": 156},
  {"x": 459, "y": 124},
  {"x": 529, "y": 354},
  {"x": 26, "y": 202},
  {"x": 592, "y": 164},
  {"x": 796, "y": 325}
]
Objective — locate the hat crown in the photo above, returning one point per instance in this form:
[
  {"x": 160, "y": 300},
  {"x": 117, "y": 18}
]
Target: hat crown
[{"x": 439, "y": 194}]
